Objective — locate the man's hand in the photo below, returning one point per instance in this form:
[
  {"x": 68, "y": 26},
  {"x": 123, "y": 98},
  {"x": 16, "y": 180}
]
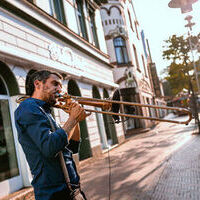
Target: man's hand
[{"x": 76, "y": 114}]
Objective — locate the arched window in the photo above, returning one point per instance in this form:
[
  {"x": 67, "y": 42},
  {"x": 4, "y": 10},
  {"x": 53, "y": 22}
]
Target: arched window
[
  {"x": 2, "y": 87},
  {"x": 8, "y": 159},
  {"x": 120, "y": 50}
]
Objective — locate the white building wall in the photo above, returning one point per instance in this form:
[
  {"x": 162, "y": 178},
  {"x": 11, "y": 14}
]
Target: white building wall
[
  {"x": 100, "y": 33},
  {"x": 19, "y": 37},
  {"x": 133, "y": 39},
  {"x": 114, "y": 15}
]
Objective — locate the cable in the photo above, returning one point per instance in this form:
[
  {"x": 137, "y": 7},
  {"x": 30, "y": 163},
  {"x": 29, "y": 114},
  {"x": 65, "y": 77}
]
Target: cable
[{"x": 109, "y": 175}]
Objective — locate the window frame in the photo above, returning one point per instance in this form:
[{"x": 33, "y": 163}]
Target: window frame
[
  {"x": 145, "y": 70},
  {"x": 58, "y": 10},
  {"x": 79, "y": 9},
  {"x": 123, "y": 50},
  {"x": 130, "y": 20},
  {"x": 136, "y": 58},
  {"x": 135, "y": 22},
  {"x": 93, "y": 28}
]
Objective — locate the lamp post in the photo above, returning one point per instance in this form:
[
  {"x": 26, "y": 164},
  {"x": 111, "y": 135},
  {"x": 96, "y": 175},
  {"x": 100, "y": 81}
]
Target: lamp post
[
  {"x": 190, "y": 25},
  {"x": 186, "y": 6},
  {"x": 193, "y": 99}
]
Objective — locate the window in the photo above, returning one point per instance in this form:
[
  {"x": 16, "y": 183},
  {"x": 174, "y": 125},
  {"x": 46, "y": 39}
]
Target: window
[
  {"x": 58, "y": 10},
  {"x": 93, "y": 26},
  {"x": 136, "y": 30},
  {"x": 8, "y": 159},
  {"x": 145, "y": 71},
  {"x": 81, "y": 19},
  {"x": 131, "y": 24},
  {"x": 136, "y": 58},
  {"x": 120, "y": 50}
]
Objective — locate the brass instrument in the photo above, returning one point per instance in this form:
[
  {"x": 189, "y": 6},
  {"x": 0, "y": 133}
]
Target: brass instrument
[{"x": 106, "y": 105}]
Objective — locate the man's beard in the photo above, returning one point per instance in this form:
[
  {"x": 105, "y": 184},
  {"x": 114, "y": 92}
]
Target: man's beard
[
  {"x": 49, "y": 98},
  {"x": 51, "y": 101}
]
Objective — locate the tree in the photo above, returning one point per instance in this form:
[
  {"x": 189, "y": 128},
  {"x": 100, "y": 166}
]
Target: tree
[{"x": 177, "y": 51}]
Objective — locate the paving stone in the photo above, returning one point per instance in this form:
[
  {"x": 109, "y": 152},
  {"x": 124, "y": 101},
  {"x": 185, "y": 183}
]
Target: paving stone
[{"x": 180, "y": 178}]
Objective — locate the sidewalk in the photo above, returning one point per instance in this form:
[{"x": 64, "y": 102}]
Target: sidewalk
[
  {"x": 157, "y": 165},
  {"x": 180, "y": 178},
  {"x": 160, "y": 164}
]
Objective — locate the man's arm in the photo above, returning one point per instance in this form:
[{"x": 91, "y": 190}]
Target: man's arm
[
  {"x": 33, "y": 122},
  {"x": 75, "y": 133},
  {"x": 74, "y": 140}
]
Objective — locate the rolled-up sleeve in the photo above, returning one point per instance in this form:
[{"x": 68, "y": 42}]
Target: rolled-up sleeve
[{"x": 36, "y": 125}]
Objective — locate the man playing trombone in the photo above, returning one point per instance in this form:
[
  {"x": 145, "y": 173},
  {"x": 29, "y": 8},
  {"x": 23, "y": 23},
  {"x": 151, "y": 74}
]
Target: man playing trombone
[{"x": 45, "y": 143}]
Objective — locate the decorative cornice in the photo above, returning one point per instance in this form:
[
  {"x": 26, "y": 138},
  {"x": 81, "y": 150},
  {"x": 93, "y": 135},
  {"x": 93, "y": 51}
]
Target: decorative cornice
[
  {"x": 116, "y": 32},
  {"x": 108, "y": 10},
  {"x": 129, "y": 64}
]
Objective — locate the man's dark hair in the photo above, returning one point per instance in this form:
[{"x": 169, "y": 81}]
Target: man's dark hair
[{"x": 33, "y": 75}]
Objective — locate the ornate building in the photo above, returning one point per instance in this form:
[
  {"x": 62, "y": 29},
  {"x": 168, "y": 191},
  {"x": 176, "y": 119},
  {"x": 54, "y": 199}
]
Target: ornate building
[{"x": 128, "y": 53}]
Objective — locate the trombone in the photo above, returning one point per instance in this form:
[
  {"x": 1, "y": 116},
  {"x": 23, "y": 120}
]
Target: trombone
[{"x": 107, "y": 107}]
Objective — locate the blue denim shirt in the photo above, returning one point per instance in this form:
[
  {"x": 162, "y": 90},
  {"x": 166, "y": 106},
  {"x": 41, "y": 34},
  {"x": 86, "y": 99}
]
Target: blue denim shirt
[{"x": 41, "y": 146}]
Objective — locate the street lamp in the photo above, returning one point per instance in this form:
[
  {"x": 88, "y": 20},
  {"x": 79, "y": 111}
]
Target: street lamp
[
  {"x": 194, "y": 99},
  {"x": 184, "y": 5}
]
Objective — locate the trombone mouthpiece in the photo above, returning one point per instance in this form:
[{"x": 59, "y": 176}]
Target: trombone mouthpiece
[{"x": 58, "y": 95}]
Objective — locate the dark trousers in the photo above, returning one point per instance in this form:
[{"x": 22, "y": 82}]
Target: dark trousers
[{"x": 64, "y": 195}]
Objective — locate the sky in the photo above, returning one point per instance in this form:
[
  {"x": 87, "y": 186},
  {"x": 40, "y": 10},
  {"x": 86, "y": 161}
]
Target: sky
[{"x": 159, "y": 22}]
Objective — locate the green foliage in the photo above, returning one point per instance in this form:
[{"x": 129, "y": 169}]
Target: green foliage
[{"x": 179, "y": 71}]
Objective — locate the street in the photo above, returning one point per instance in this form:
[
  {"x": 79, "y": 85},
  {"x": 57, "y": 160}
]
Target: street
[{"x": 139, "y": 168}]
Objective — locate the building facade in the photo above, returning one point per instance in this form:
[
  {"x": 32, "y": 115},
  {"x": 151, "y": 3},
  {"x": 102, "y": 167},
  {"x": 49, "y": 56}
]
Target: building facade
[
  {"x": 65, "y": 36},
  {"x": 129, "y": 54}
]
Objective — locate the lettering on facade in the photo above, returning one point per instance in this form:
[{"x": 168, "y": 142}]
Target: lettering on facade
[{"x": 66, "y": 56}]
